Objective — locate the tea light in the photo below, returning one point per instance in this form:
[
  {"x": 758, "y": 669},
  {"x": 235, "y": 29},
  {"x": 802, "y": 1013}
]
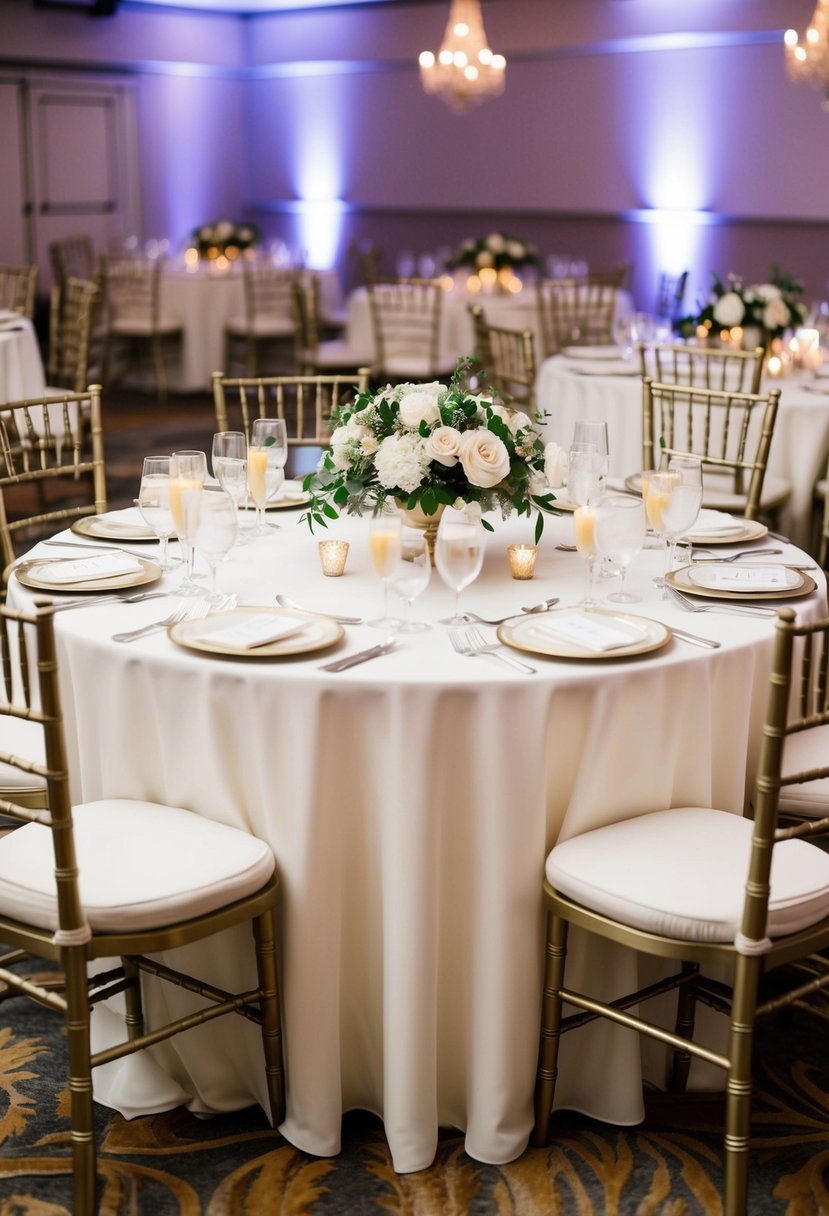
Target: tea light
[
  {"x": 333, "y": 554},
  {"x": 774, "y": 367},
  {"x": 522, "y": 560}
]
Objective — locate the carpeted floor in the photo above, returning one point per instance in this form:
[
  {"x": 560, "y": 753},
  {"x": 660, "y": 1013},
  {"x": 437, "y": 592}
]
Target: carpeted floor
[{"x": 234, "y": 1165}]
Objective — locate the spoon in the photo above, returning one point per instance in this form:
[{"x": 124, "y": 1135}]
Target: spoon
[
  {"x": 470, "y": 617},
  {"x": 284, "y": 602}
]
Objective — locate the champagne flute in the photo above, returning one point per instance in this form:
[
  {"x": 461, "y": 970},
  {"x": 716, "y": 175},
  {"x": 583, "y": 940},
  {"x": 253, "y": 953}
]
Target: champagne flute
[
  {"x": 218, "y": 521},
  {"x": 584, "y": 523},
  {"x": 230, "y": 467},
  {"x": 459, "y": 556},
  {"x": 674, "y": 498},
  {"x": 593, "y": 431},
  {"x": 267, "y": 454},
  {"x": 188, "y": 470},
  {"x": 385, "y": 546},
  {"x": 585, "y": 473},
  {"x": 411, "y": 576},
  {"x": 619, "y": 535},
  {"x": 153, "y": 502}
]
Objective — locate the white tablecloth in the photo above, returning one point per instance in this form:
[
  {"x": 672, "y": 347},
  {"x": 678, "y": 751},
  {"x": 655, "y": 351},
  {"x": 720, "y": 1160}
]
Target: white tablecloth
[
  {"x": 410, "y": 803},
  {"x": 566, "y": 390},
  {"x": 21, "y": 367}
]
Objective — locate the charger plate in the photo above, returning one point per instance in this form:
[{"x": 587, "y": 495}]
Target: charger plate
[
  {"x": 593, "y": 352},
  {"x": 802, "y": 585},
  {"x": 320, "y": 633},
  {"x": 113, "y": 526},
  {"x": 26, "y": 574},
  {"x": 526, "y": 633},
  {"x": 744, "y": 529}
]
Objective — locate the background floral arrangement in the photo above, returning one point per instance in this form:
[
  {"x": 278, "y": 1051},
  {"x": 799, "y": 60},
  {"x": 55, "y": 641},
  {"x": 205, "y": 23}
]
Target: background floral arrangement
[
  {"x": 429, "y": 445},
  {"x": 225, "y": 237},
  {"x": 498, "y": 250},
  {"x": 773, "y": 307}
]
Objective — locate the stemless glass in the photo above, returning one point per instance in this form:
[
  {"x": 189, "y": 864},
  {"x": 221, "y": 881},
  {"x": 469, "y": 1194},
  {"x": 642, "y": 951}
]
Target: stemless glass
[
  {"x": 188, "y": 470},
  {"x": 215, "y": 533},
  {"x": 674, "y": 498},
  {"x": 619, "y": 535},
  {"x": 385, "y": 546},
  {"x": 153, "y": 502},
  {"x": 459, "y": 556},
  {"x": 411, "y": 576},
  {"x": 593, "y": 431},
  {"x": 267, "y": 454}
]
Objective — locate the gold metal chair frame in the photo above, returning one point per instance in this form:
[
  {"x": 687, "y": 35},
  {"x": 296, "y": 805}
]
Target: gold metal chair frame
[
  {"x": 748, "y": 961},
  {"x": 578, "y": 311},
  {"x": 72, "y": 257},
  {"x": 74, "y": 946},
  {"x": 508, "y": 357},
  {"x": 18, "y": 285},
  {"x": 132, "y": 292},
  {"x": 686, "y": 420},
  {"x": 405, "y": 320},
  {"x": 268, "y": 292},
  {"x": 308, "y": 350},
  {"x": 72, "y": 317},
  {"x": 306, "y": 403},
  {"x": 681, "y": 363}
]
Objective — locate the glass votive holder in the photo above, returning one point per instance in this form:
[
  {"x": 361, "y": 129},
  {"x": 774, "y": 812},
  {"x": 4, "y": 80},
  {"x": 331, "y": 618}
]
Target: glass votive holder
[
  {"x": 332, "y": 557},
  {"x": 522, "y": 560}
]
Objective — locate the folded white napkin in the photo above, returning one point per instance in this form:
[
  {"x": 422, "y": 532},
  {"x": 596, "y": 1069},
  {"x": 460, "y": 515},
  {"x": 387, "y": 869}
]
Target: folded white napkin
[
  {"x": 743, "y": 578},
  {"x": 713, "y": 523},
  {"x": 258, "y": 630},
  {"x": 586, "y": 630},
  {"x": 87, "y": 569},
  {"x": 128, "y": 522},
  {"x": 289, "y": 490},
  {"x": 605, "y": 367}
]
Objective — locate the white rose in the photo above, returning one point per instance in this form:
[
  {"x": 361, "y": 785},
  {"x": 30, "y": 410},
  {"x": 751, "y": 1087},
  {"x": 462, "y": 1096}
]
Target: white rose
[
  {"x": 444, "y": 445},
  {"x": 729, "y": 309},
  {"x": 471, "y": 511},
  {"x": 495, "y": 242},
  {"x": 764, "y": 291},
  {"x": 224, "y": 229},
  {"x": 484, "y": 458},
  {"x": 555, "y": 465},
  {"x": 484, "y": 259},
  {"x": 516, "y": 251},
  {"x": 516, "y": 420},
  {"x": 776, "y": 315},
  {"x": 420, "y": 405}
]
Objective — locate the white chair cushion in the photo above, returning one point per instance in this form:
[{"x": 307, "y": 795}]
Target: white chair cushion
[
  {"x": 142, "y": 327},
  {"x": 25, "y": 739},
  {"x": 805, "y": 750},
  {"x": 682, "y": 873},
  {"x": 340, "y": 354},
  {"x": 141, "y": 866},
  {"x": 264, "y": 326},
  {"x": 718, "y": 494},
  {"x": 416, "y": 367}
]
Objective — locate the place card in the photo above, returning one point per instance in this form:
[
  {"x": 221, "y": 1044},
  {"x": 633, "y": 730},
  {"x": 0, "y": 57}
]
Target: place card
[
  {"x": 743, "y": 578},
  {"x": 585, "y": 630},
  {"x": 87, "y": 569},
  {"x": 258, "y": 630}
]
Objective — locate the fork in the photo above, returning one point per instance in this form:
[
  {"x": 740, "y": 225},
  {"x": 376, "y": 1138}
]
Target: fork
[
  {"x": 469, "y": 642},
  {"x": 184, "y": 611},
  {"x": 740, "y": 609},
  {"x": 707, "y": 556}
]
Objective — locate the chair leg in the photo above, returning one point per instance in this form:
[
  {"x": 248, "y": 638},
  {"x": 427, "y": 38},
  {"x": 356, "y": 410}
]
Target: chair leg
[
  {"x": 132, "y": 997},
  {"x": 738, "y": 1090},
  {"x": 80, "y": 1083},
  {"x": 547, "y": 1073},
  {"x": 265, "y": 938},
  {"x": 685, "y": 1017}
]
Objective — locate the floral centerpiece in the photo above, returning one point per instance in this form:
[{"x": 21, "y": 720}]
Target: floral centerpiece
[
  {"x": 498, "y": 251},
  {"x": 429, "y": 446},
  {"x": 770, "y": 308},
  {"x": 224, "y": 238}
]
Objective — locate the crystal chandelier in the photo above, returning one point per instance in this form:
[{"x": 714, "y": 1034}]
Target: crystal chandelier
[
  {"x": 809, "y": 59},
  {"x": 464, "y": 71}
]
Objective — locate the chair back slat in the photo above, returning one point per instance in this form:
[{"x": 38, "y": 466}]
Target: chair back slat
[
  {"x": 306, "y": 403},
  {"x": 508, "y": 358},
  {"x": 578, "y": 311},
  {"x": 405, "y": 320},
  {"x": 736, "y": 371},
  {"x": 18, "y": 285},
  {"x": 72, "y": 318}
]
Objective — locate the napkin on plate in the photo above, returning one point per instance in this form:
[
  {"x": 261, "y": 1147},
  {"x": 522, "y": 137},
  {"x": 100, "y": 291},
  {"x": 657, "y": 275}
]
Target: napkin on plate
[
  {"x": 258, "y": 630},
  {"x": 743, "y": 578},
  {"x": 715, "y": 523},
  {"x": 128, "y": 522},
  {"x": 88, "y": 569},
  {"x": 290, "y": 490},
  {"x": 586, "y": 630}
]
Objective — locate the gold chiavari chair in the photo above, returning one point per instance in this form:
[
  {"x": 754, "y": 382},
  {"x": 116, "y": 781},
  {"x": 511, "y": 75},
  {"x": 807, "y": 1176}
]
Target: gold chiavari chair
[
  {"x": 312, "y": 354},
  {"x": 72, "y": 317},
  {"x": 18, "y": 285},
  {"x": 698, "y": 887},
  {"x": 578, "y": 311},
  {"x": 508, "y": 358},
  {"x": 821, "y": 507},
  {"x": 52, "y": 466},
  {"x": 670, "y": 294},
  {"x": 405, "y": 321},
  {"x": 306, "y": 403},
  {"x": 134, "y": 313},
  {"x": 72, "y": 257},
  {"x": 730, "y": 432},
  {"x": 709, "y": 367},
  {"x": 268, "y": 318},
  {"x": 90, "y": 882}
]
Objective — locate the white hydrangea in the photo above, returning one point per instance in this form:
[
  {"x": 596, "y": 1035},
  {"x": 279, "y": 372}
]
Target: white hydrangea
[
  {"x": 347, "y": 445},
  {"x": 776, "y": 314},
  {"x": 401, "y": 462},
  {"x": 729, "y": 310},
  {"x": 495, "y": 242}
]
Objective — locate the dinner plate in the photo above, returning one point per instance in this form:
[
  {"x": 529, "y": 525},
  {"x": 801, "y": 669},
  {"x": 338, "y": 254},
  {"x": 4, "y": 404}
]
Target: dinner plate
[
  {"x": 592, "y": 352},
  {"x": 537, "y": 637},
  {"x": 802, "y": 584},
  {"x": 753, "y": 577},
  {"x": 26, "y": 574},
  {"x": 320, "y": 633},
  {"x": 744, "y": 529},
  {"x": 114, "y": 525},
  {"x": 286, "y": 499}
]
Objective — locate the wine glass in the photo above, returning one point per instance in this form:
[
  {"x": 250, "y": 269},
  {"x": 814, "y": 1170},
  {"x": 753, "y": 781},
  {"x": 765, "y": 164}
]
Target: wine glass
[
  {"x": 188, "y": 470},
  {"x": 593, "y": 431},
  {"x": 385, "y": 546},
  {"x": 230, "y": 467},
  {"x": 585, "y": 473},
  {"x": 267, "y": 454},
  {"x": 459, "y": 556},
  {"x": 619, "y": 535},
  {"x": 153, "y": 502},
  {"x": 674, "y": 498},
  {"x": 218, "y": 521},
  {"x": 411, "y": 576}
]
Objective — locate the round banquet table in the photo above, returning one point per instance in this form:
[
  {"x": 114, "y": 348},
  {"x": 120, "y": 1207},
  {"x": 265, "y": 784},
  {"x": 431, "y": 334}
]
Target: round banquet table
[
  {"x": 410, "y": 802},
  {"x": 21, "y": 367},
  {"x": 571, "y": 388}
]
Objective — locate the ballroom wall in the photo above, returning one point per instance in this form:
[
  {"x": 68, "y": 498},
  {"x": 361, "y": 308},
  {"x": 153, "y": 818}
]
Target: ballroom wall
[{"x": 666, "y": 135}]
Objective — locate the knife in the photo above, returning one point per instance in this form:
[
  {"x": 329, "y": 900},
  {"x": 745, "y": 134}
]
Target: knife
[
  {"x": 693, "y": 639},
  {"x": 362, "y": 656}
]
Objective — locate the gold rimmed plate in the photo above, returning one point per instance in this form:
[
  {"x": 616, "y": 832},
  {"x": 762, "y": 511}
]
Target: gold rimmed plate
[
  {"x": 750, "y": 529},
  {"x": 114, "y": 525},
  {"x": 799, "y": 584},
  {"x": 319, "y": 633},
  {"x": 27, "y": 576},
  {"x": 537, "y": 636}
]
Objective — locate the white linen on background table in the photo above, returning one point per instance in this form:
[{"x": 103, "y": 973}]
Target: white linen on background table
[
  {"x": 411, "y": 803},
  {"x": 21, "y": 367}
]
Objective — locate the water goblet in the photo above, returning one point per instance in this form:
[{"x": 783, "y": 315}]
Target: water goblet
[
  {"x": 673, "y": 501},
  {"x": 215, "y": 533},
  {"x": 459, "y": 556},
  {"x": 230, "y": 467},
  {"x": 267, "y": 454},
  {"x": 585, "y": 473},
  {"x": 188, "y": 470},
  {"x": 153, "y": 502},
  {"x": 385, "y": 546},
  {"x": 593, "y": 431},
  {"x": 411, "y": 576},
  {"x": 619, "y": 535}
]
